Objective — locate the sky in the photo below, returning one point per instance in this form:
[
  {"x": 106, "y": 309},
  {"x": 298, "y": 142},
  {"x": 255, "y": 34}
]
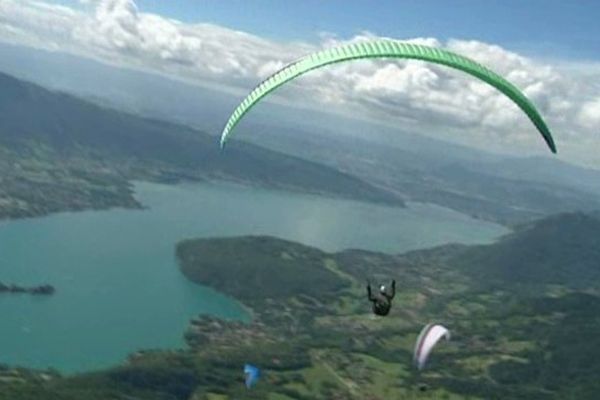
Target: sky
[
  {"x": 550, "y": 49},
  {"x": 567, "y": 29}
]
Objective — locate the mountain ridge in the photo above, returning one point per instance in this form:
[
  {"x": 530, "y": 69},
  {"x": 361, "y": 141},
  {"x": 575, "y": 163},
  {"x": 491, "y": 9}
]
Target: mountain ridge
[{"x": 64, "y": 138}]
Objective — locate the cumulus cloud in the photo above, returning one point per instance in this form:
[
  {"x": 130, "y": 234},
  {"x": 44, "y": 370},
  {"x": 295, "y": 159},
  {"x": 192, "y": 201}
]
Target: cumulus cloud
[
  {"x": 589, "y": 114},
  {"x": 411, "y": 94}
]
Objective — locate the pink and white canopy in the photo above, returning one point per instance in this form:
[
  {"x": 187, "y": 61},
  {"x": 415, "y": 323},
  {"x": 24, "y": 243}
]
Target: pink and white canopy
[{"x": 428, "y": 338}]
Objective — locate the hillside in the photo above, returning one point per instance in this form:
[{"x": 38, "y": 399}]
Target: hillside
[
  {"x": 62, "y": 153},
  {"x": 425, "y": 170},
  {"x": 553, "y": 171},
  {"x": 561, "y": 250}
]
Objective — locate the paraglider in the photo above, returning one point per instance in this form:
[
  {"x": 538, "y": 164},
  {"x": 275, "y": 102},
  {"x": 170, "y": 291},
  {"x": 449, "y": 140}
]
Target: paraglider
[
  {"x": 427, "y": 340},
  {"x": 387, "y": 49},
  {"x": 252, "y": 374},
  {"x": 382, "y": 301}
]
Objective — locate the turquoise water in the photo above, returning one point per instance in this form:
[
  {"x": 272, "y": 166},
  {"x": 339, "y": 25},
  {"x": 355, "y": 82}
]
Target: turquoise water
[{"x": 118, "y": 286}]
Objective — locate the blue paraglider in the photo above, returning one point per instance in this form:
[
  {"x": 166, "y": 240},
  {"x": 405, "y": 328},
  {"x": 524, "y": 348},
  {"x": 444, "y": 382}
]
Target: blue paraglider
[{"x": 252, "y": 375}]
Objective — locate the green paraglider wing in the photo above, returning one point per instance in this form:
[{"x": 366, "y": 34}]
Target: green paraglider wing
[{"x": 387, "y": 49}]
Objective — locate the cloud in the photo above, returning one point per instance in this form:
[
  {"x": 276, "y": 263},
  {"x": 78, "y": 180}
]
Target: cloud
[
  {"x": 589, "y": 114},
  {"x": 411, "y": 94}
]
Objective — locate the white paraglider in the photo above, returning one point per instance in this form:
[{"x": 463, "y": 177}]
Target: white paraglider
[{"x": 427, "y": 340}]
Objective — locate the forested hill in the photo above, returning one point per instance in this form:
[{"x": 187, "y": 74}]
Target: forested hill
[
  {"x": 563, "y": 249},
  {"x": 54, "y": 143}
]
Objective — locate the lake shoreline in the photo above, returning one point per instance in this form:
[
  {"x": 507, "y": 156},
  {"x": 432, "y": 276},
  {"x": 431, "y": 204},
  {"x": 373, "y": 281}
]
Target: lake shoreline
[{"x": 120, "y": 263}]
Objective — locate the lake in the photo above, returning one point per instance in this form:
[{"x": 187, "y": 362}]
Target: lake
[{"x": 118, "y": 285}]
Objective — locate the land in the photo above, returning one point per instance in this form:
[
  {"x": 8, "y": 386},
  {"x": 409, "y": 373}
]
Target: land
[
  {"x": 61, "y": 153},
  {"x": 501, "y": 189},
  {"x": 524, "y": 314}
]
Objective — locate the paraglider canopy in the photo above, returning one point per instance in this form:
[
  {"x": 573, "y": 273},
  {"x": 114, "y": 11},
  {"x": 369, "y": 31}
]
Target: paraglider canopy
[
  {"x": 388, "y": 49},
  {"x": 427, "y": 340},
  {"x": 252, "y": 374}
]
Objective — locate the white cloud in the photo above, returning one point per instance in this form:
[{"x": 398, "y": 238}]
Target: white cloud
[
  {"x": 589, "y": 114},
  {"x": 411, "y": 93}
]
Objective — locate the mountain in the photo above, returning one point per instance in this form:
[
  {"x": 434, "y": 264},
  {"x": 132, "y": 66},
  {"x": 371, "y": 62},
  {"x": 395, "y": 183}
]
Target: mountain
[
  {"x": 422, "y": 170},
  {"x": 129, "y": 90},
  {"x": 561, "y": 250},
  {"x": 547, "y": 170},
  {"x": 51, "y": 138}
]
